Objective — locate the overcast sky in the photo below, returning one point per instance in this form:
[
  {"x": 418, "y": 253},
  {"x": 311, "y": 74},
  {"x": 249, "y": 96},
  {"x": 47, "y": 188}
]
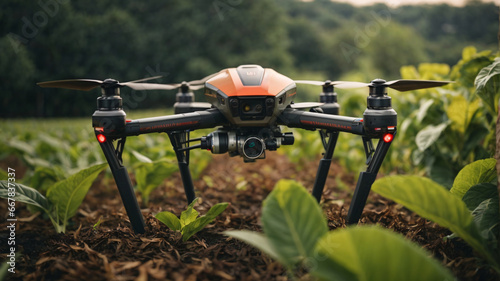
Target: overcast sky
[{"x": 393, "y": 3}]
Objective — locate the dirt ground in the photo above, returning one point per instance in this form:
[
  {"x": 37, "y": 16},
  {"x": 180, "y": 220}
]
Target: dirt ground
[{"x": 111, "y": 251}]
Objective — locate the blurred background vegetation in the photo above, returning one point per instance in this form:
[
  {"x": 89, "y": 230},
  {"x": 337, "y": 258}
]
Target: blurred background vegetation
[{"x": 186, "y": 40}]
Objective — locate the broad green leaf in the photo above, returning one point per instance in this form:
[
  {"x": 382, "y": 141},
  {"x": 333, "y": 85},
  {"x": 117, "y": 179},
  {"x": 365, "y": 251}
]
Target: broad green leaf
[
  {"x": 470, "y": 69},
  {"x": 460, "y": 112},
  {"x": 256, "y": 239},
  {"x": 293, "y": 222},
  {"x": 422, "y": 111},
  {"x": 68, "y": 194},
  {"x": 198, "y": 224},
  {"x": 44, "y": 177},
  {"x": 189, "y": 215},
  {"x": 170, "y": 220},
  {"x": 372, "y": 253},
  {"x": 429, "y": 135},
  {"x": 488, "y": 84},
  {"x": 25, "y": 194},
  {"x": 150, "y": 175},
  {"x": 441, "y": 171},
  {"x": 478, "y": 193},
  {"x": 486, "y": 215},
  {"x": 432, "y": 201},
  {"x": 481, "y": 171}
]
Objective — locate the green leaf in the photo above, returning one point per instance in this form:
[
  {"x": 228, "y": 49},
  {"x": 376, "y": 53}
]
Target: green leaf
[
  {"x": 256, "y": 239},
  {"x": 44, "y": 177},
  {"x": 170, "y": 220},
  {"x": 422, "y": 111},
  {"x": 198, "y": 224},
  {"x": 293, "y": 222},
  {"x": 25, "y": 194},
  {"x": 150, "y": 175},
  {"x": 429, "y": 135},
  {"x": 432, "y": 201},
  {"x": 68, "y": 194},
  {"x": 488, "y": 84},
  {"x": 478, "y": 193},
  {"x": 461, "y": 112},
  {"x": 373, "y": 253},
  {"x": 486, "y": 215},
  {"x": 189, "y": 215},
  {"x": 481, "y": 171}
]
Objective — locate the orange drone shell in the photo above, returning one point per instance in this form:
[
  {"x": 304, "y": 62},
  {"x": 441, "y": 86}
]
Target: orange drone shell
[{"x": 230, "y": 81}]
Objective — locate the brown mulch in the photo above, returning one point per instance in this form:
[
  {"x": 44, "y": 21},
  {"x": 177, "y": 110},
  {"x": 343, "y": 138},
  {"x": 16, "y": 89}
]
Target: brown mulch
[{"x": 111, "y": 251}]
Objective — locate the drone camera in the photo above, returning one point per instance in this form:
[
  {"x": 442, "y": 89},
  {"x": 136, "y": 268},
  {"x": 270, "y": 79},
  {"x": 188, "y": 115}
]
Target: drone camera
[{"x": 249, "y": 146}]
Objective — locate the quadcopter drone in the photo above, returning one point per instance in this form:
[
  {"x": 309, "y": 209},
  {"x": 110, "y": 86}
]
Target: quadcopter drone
[{"x": 248, "y": 105}]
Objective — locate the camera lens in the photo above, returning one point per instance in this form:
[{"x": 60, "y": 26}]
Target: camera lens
[{"x": 253, "y": 147}]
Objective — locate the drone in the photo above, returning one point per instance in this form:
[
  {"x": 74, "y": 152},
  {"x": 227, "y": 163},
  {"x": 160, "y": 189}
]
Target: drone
[{"x": 248, "y": 106}]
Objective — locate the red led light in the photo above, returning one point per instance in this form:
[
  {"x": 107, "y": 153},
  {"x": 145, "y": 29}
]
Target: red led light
[
  {"x": 101, "y": 138},
  {"x": 388, "y": 137}
]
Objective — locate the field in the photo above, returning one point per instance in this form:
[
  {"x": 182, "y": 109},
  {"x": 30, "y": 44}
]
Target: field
[
  {"x": 439, "y": 170},
  {"x": 112, "y": 251}
]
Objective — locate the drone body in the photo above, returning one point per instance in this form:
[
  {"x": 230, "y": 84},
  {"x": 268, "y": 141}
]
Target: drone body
[{"x": 249, "y": 105}]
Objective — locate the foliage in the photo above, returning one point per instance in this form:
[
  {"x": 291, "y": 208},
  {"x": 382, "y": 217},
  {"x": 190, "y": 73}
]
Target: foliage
[
  {"x": 62, "y": 199},
  {"x": 292, "y": 225},
  {"x": 50, "y": 155},
  {"x": 442, "y": 129},
  {"x": 478, "y": 172},
  {"x": 478, "y": 227},
  {"x": 189, "y": 223},
  {"x": 296, "y": 234},
  {"x": 375, "y": 253},
  {"x": 487, "y": 84},
  {"x": 150, "y": 174}
]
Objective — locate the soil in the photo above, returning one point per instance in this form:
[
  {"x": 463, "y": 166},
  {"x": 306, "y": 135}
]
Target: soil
[{"x": 111, "y": 251}]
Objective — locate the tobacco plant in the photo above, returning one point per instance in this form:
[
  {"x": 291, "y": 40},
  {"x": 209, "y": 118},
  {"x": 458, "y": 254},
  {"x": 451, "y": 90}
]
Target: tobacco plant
[
  {"x": 296, "y": 234},
  {"x": 470, "y": 209},
  {"x": 189, "y": 223},
  {"x": 62, "y": 199}
]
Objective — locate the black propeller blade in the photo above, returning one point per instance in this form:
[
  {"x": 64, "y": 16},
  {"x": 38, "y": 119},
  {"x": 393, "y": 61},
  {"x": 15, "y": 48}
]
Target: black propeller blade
[
  {"x": 404, "y": 85},
  {"x": 89, "y": 84},
  {"x": 401, "y": 85},
  {"x": 337, "y": 84}
]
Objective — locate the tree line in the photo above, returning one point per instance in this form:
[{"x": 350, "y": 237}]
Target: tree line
[{"x": 186, "y": 40}]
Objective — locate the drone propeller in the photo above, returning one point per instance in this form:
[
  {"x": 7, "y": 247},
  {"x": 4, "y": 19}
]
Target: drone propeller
[
  {"x": 337, "y": 84},
  {"x": 193, "y": 85},
  {"x": 89, "y": 84},
  {"x": 401, "y": 85}
]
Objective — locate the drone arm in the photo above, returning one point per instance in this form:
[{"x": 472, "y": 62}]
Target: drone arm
[
  {"x": 187, "y": 121},
  {"x": 311, "y": 120}
]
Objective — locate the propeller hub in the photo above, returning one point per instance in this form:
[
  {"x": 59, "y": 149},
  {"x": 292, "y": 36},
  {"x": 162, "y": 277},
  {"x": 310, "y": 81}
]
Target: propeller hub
[
  {"x": 184, "y": 88},
  {"x": 378, "y": 98},
  {"x": 328, "y": 87},
  {"x": 110, "y": 87},
  {"x": 378, "y": 87}
]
